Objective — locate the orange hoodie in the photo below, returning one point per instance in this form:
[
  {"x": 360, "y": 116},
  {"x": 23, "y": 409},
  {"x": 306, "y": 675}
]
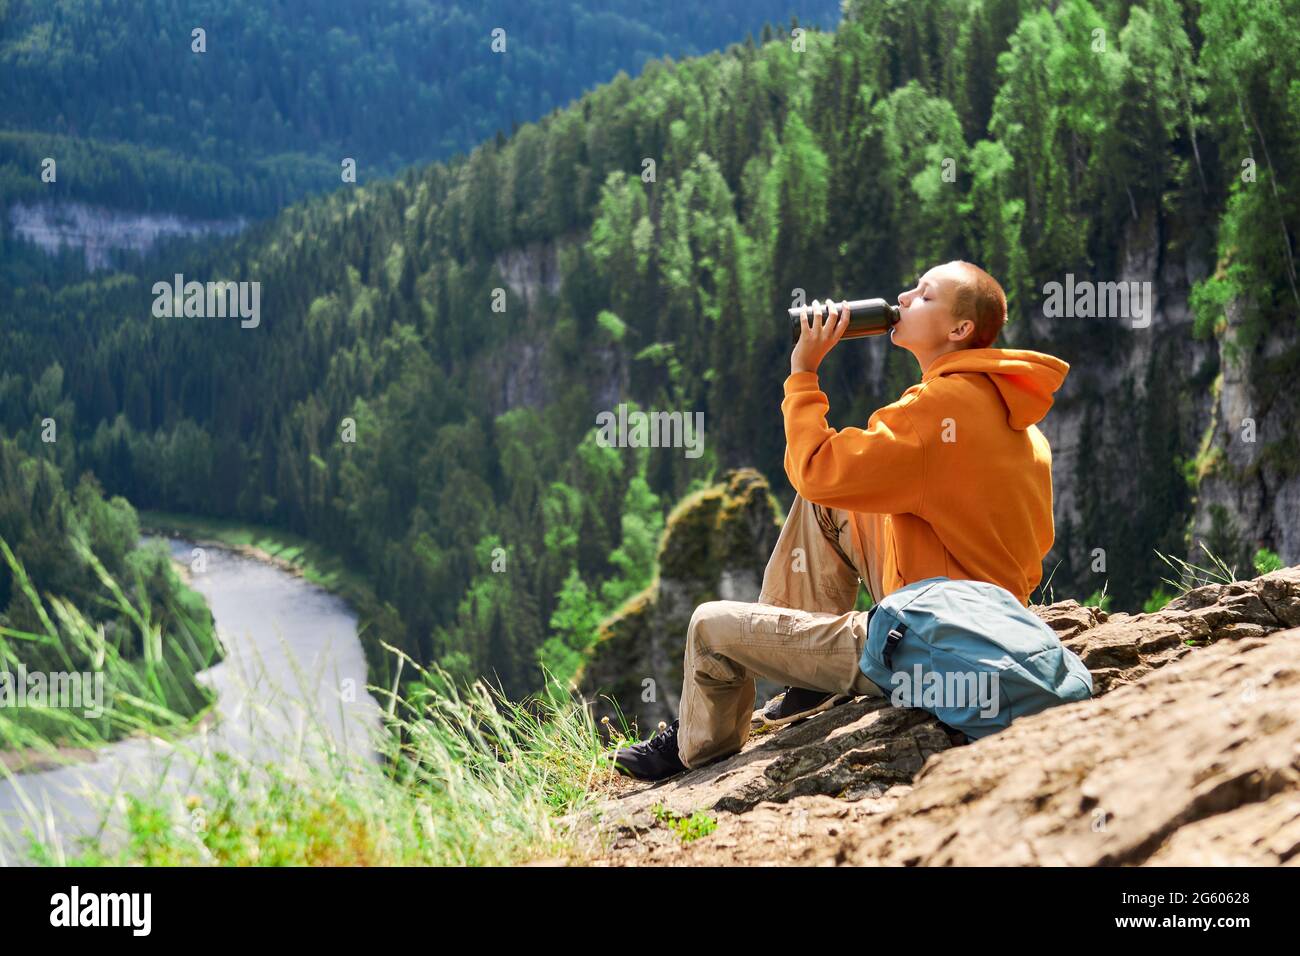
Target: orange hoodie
[{"x": 957, "y": 463}]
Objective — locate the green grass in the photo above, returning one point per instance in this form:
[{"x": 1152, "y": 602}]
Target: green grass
[
  {"x": 1192, "y": 576},
  {"x": 687, "y": 828},
  {"x": 1159, "y": 598},
  {"x": 464, "y": 776},
  {"x": 475, "y": 780},
  {"x": 150, "y": 690},
  {"x": 1266, "y": 561},
  {"x": 1099, "y": 598},
  {"x": 1045, "y": 593}
]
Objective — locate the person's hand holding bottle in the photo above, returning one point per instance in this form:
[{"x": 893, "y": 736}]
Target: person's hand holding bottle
[{"x": 821, "y": 330}]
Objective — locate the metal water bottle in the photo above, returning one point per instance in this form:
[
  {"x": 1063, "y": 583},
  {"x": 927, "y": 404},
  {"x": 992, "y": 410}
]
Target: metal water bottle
[{"x": 866, "y": 317}]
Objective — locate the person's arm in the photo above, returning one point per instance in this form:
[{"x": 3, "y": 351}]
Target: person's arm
[{"x": 878, "y": 469}]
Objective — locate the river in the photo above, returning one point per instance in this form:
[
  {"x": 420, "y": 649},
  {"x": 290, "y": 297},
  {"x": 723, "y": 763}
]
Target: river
[{"x": 294, "y": 673}]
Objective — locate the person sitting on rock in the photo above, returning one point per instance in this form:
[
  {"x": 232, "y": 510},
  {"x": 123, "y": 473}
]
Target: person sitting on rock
[{"x": 953, "y": 480}]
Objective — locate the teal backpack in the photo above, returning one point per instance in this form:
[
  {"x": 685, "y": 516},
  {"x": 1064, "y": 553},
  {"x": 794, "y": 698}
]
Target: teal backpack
[{"x": 970, "y": 654}]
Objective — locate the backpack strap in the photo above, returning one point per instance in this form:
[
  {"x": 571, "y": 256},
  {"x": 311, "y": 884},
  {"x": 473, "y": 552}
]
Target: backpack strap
[
  {"x": 891, "y": 642},
  {"x": 831, "y": 531}
]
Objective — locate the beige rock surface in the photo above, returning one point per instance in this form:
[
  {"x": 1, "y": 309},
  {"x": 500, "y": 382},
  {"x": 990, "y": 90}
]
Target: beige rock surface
[{"x": 1188, "y": 754}]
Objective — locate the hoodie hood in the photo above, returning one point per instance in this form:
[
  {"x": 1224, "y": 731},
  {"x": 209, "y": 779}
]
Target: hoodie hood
[{"x": 1025, "y": 379}]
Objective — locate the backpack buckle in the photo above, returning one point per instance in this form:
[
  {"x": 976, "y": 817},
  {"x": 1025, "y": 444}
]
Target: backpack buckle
[{"x": 891, "y": 642}]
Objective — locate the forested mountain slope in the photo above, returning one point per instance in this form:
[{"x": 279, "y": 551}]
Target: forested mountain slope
[
  {"x": 262, "y": 105},
  {"x": 645, "y": 244}
]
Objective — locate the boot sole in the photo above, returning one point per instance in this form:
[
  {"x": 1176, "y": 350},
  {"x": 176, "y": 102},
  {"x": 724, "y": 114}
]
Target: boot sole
[{"x": 832, "y": 701}]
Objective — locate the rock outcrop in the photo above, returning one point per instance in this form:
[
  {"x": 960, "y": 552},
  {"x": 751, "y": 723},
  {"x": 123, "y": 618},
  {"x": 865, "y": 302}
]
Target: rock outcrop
[
  {"x": 100, "y": 233},
  {"x": 1249, "y": 495},
  {"x": 715, "y": 546},
  {"x": 1188, "y": 754},
  {"x": 1165, "y": 427}
]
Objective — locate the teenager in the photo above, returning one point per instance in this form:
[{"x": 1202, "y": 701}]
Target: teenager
[{"x": 954, "y": 479}]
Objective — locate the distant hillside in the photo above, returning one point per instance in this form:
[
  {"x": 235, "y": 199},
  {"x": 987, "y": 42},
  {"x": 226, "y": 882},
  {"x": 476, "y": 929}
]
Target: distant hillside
[{"x": 115, "y": 91}]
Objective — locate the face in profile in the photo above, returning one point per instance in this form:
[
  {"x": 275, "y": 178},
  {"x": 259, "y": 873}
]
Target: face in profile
[{"x": 926, "y": 321}]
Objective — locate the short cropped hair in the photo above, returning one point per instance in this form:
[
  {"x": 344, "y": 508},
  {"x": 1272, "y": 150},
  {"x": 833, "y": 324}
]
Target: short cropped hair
[{"x": 980, "y": 298}]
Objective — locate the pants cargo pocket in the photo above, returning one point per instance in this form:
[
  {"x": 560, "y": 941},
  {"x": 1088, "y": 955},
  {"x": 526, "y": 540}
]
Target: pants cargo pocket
[{"x": 771, "y": 625}]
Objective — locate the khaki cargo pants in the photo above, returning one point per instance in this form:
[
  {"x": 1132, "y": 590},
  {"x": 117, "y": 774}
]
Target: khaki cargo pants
[{"x": 803, "y": 630}]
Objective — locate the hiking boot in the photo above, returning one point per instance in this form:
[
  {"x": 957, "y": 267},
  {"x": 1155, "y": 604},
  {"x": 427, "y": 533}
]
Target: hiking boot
[
  {"x": 797, "y": 703},
  {"x": 653, "y": 759}
]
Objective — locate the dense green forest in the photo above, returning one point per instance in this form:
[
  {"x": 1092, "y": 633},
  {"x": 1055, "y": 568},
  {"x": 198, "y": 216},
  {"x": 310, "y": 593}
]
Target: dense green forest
[
  {"x": 496, "y": 530},
  {"x": 281, "y": 93}
]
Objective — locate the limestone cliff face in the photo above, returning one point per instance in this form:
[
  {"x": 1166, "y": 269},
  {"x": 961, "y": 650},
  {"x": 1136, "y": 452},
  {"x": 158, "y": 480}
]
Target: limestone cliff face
[
  {"x": 714, "y": 547},
  {"x": 1186, "y": 755},
  {"x": 1150, "y": 424},
  {"x": 1250, "y": 495},
  {"x": 1136, "y": 403},
  {"x": 100, "y": 232},
  {"x": 521, "y": 375}
]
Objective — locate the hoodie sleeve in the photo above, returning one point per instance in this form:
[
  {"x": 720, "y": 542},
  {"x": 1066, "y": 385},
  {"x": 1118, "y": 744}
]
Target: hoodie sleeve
[{"x": 878, "y": 469}]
